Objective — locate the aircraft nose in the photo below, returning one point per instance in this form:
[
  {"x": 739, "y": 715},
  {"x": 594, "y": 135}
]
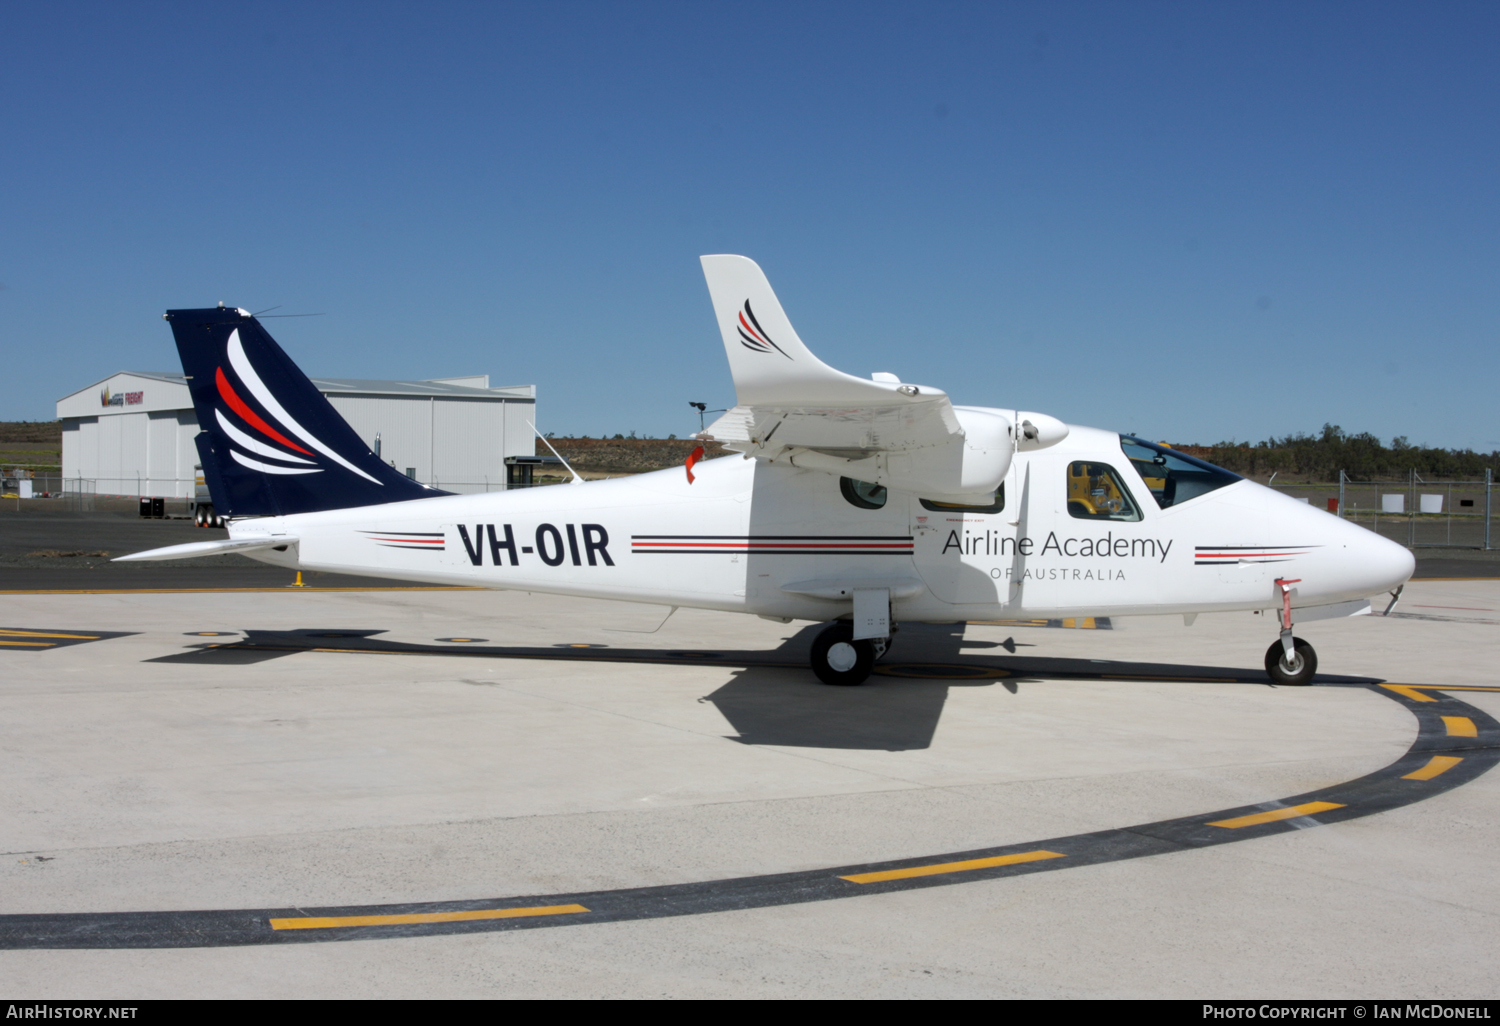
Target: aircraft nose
[{"x": 1379, "y": 563}]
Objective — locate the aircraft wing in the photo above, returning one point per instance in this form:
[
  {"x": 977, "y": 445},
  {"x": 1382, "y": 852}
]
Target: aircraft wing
[{"x": 793, "y": 407}]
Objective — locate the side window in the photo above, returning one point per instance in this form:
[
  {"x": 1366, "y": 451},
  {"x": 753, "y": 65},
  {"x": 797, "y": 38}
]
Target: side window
[
  {"x": 862, "y": 493},
  {"x": 952, "y": 507},
  {"x": 1095, "y": 492}
]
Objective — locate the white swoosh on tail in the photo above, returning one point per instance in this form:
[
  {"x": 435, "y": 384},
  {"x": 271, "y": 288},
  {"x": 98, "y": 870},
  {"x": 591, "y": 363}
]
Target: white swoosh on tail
[
  {"x": 240, "y": 438},
  {"x": 241, "y": 364},
  {"x": 266, "y": 468}
]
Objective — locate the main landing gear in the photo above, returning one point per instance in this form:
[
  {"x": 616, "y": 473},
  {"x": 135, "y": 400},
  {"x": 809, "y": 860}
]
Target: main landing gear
[
  {"x": 1290, "y": 660},
  {"x": 839, "y": 658}
]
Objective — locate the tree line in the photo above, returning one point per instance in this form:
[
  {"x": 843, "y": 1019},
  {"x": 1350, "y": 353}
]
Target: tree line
[{"x": 1363, "y": 457}]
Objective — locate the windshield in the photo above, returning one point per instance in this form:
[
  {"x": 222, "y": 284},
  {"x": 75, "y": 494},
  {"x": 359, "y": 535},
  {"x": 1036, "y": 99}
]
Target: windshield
[{"x": 1173, "y": 477}]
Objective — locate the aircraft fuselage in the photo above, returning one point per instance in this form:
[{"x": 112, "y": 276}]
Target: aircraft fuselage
[{"x": 765, "y": 538}]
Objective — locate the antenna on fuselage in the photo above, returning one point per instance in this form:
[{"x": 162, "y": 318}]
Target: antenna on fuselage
[{"x": 576, "y": 478}]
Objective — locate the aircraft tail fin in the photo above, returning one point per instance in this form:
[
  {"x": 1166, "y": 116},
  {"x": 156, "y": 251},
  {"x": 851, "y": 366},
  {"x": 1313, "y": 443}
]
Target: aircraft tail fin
[{"x": 270, "y": 443}]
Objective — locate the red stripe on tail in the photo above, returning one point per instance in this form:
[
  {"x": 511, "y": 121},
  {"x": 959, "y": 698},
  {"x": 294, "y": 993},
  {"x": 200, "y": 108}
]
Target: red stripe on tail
[{"x": 248, "y": 415}]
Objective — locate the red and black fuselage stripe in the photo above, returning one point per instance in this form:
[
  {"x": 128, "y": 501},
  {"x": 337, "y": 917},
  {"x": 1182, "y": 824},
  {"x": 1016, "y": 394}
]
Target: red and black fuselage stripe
[
  {"x": 772, "y": 544},
  {"x": 430, "y": 540},
  {"x": 1217, "y": 555}
]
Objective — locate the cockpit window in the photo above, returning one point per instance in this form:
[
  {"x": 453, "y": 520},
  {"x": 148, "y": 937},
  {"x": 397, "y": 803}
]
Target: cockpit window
[
  {"x": 1095, "y": 492},
  {"x": 995, "y": 505},
  {"x": 1173, "y": 477},
  {"x": 862, "y": 493}
]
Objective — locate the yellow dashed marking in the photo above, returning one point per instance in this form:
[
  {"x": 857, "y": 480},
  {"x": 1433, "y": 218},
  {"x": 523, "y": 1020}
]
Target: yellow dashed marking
[
  {"x": 1414, "y": 691},
  {"x": 45, "y": 634},
  {"x": 952, "y": 867},
  {"x": 329, "y": 922},
  {"x": 1460, "y": 726},
  {"x": 1436, "y": 765},
  {"x": 1275, "y": 814},
  {"x": 1408, "y": 691}
]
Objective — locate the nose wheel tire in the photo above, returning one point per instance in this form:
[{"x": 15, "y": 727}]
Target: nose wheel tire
[
  {"x": 838, "y": 659},
  {"x": 1298, "y": 670}
]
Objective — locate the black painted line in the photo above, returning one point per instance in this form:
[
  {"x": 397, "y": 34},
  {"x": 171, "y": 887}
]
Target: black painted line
[{"x": 1385, "y": 789}]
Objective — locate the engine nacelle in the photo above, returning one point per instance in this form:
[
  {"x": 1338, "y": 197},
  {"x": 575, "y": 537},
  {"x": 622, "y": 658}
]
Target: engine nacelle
[{"x": 1039, "y": 430}]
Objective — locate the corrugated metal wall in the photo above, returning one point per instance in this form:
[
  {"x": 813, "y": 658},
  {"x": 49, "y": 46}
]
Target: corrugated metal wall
[
  {"x": 161, "y": 453},
  {"x": 132, "y": 453},
  {"x": 470, "y": 437},
  {"x": 187, "y": 451},
  {"x": 80, "y": 447},
  {"x": 519, "y": 417},
  {"x": 405, "y": 427},
  {"x": 458, "y": 445}
]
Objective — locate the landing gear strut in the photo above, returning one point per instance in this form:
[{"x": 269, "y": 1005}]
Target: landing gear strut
[
  {"x": 1290, "y": 660},
  {"x": 837, "y": 658}
]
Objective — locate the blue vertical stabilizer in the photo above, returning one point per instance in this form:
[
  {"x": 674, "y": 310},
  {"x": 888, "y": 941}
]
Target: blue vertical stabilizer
[{"x": 271, "y": 443}]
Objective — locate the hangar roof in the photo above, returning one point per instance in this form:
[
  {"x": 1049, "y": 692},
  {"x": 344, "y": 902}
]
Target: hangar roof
[
  {"x": 436, "y": 387},
  {"x": 475, "y": 386}
]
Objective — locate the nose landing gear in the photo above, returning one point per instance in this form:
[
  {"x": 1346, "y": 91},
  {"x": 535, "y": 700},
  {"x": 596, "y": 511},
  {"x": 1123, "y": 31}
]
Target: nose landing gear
[
  {"x": 1290, "y": 660},
  {"x": 1292, "y": 664}
]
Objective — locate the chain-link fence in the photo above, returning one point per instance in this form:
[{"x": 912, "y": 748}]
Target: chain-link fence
[
  {"x": 89, "y": 493},
  {"x": 1415, "y": 512},
  {"x": 1410, "y": 510}
]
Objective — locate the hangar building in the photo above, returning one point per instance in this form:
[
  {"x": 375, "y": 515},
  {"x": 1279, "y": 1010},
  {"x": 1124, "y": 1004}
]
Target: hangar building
[{"x": 132, "y": 433}]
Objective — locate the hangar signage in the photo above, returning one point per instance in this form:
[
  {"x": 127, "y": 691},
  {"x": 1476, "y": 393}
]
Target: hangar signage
[{"x": 108, "y": 398}]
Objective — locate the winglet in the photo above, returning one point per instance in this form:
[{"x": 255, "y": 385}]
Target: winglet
[{"x": 770, "y": 363}]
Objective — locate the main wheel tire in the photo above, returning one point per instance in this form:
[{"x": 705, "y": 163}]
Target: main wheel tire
[
  {"x": 1299, "y": 670},
  {"x": 838, "y": 659}
]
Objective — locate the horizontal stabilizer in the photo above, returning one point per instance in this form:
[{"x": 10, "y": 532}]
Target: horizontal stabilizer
[{"x": 209, "y": 548}]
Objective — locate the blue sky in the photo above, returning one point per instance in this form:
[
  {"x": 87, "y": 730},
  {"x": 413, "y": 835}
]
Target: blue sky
[{"x": 1194, "y": 221}]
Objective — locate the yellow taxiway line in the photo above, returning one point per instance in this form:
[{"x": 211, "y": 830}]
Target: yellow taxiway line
[
  {"x": 1460, "y": 726},
  {"x": 952, "y": 867},
  {"x": 1258, "y": 818},
  {"x": 329, "y": 922},
  {"x": 1414, "y": 691},
  {"x": 1438, "y": 764}
]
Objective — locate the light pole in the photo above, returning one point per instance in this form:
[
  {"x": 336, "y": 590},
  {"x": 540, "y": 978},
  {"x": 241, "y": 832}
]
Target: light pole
[{"x": 703, "y": 409}]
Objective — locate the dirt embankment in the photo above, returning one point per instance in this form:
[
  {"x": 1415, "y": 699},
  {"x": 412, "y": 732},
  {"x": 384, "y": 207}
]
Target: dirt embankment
[
  {"x": 626, "y": 455},
  {"x": 48, "y": 432}
]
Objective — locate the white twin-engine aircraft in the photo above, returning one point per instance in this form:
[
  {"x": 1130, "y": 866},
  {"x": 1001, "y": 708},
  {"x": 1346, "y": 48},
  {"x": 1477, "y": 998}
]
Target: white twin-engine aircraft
[{"x": 861, "y": 502}]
